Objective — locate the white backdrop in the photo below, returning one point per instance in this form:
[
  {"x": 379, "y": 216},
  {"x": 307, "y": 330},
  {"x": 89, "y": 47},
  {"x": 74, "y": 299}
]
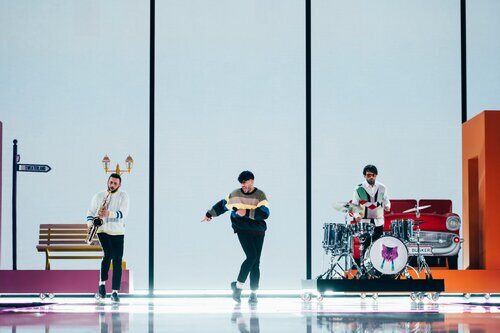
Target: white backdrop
[
  {"x": 386, "y": 91},
  {"x": 74, "y": 87},
  {"x": 230, "y": 97},
  {"x": 483, "y": 46}
]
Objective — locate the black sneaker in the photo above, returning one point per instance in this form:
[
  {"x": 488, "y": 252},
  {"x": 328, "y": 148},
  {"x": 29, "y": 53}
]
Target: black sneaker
[
  {"x": 236, "y": 292},
  {"x": 102, "y": 291},
  {"x": 114, "y": 297},
  {"x": 252, "y": 300}
]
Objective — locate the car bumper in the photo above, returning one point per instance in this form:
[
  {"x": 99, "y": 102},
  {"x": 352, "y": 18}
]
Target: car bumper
[{"x": 440, "y": 243}]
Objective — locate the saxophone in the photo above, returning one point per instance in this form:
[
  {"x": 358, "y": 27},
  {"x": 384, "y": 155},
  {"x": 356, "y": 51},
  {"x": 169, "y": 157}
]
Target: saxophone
[{"x": 97, "y": 221}]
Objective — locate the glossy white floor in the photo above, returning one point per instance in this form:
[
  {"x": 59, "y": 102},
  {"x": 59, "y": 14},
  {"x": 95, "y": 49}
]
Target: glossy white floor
[{"x": 220, "y": 314}]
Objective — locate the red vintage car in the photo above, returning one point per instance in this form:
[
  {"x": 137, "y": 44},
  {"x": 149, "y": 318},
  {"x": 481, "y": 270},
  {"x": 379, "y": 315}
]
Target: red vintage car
[{"x": 439, "y": 233}]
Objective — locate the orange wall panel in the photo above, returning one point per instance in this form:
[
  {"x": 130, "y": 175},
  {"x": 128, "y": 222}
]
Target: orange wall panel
[{"x": 481, "y": 184}]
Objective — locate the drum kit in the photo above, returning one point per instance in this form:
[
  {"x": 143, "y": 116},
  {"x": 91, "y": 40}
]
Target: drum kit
[{"x": 386, "y": 257}]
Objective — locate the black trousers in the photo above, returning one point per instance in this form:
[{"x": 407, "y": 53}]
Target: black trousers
[
  {"x": 252, "y": 246},
  {"x": 112, "y": 246}
]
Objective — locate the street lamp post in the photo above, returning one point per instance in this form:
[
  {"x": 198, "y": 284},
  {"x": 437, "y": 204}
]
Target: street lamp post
[{"x": 129, "y": 163}]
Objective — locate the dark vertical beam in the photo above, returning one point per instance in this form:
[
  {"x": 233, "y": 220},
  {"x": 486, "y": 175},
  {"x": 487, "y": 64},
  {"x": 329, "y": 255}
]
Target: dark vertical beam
[
  {"x": 308, "y": 140},
  {"x": 463, "y": 48},
  {"x": 14, "y": 205},
  {"x": 151, "y": 284}
]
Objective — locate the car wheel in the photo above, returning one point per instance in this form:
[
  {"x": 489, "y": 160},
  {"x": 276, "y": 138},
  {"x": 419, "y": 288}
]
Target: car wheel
[{"x": 453, "y": 262}]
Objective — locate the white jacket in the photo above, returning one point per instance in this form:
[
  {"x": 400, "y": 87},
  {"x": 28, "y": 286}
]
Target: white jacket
[{"x": 118, "y": 211}]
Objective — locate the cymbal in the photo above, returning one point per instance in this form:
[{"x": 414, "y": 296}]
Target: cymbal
[
  {"x": 416, "y": 208},
  {"x": 343, "y": 206}
]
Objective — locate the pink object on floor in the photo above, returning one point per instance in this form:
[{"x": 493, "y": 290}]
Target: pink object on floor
[{"x": 57, "y": 281}]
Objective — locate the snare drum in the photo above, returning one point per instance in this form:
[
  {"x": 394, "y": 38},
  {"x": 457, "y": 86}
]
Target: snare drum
[
  {"x": 387, "y": 255},
  {"x": 361, "y": 229},
  {"x": 402, "y": 229},
  {"x": 335, "y": 237}
]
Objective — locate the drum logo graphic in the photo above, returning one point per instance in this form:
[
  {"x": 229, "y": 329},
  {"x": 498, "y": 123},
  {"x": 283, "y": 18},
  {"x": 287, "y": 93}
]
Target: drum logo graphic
[{"x": 389, "y": 254}]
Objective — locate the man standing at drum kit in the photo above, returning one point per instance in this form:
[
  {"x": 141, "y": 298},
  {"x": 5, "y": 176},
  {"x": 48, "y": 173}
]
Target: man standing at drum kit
[
  {"x": 371, "y": 200},
  {"x": 249, "y": 211}
]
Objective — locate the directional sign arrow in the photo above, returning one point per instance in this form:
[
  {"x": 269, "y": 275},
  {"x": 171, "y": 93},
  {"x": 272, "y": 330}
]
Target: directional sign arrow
[{"x": 33, "y": 168}]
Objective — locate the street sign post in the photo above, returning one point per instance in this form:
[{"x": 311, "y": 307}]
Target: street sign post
[
  {"x": 18, "y": 167},
  {"x": 33, "y": 168}
]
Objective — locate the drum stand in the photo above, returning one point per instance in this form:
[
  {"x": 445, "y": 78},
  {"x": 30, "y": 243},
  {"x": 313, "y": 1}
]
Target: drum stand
[
  {"x": 336, "y": 269},
  {"x": 421, "y": 263}
]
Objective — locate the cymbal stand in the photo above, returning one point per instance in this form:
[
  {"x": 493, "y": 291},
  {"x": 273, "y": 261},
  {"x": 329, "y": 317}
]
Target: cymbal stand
[{"x": 421, "y": 263}]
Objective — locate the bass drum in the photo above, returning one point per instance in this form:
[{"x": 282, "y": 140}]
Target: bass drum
[{"x": 387, "y": 256}]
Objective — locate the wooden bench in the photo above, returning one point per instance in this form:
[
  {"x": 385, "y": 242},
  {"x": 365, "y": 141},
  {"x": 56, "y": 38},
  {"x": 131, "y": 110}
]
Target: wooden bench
[{"x": 66, "y": 238}]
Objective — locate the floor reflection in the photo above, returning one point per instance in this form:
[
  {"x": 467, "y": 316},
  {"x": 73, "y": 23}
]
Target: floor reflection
[
  {"x": 449, "y": 317},
  {"x": 383, "y": 322},
  {"x": 111, "y": 323},
  {"x": 103, "y": 320},
  {"x": 339, "y": 314},
  {"x": 397, "y": 323},
  {"x": 246, "y": 323}
]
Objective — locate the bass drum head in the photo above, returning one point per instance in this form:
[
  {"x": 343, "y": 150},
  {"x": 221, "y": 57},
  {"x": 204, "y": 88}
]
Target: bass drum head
[{"x": 387, "y": 255}]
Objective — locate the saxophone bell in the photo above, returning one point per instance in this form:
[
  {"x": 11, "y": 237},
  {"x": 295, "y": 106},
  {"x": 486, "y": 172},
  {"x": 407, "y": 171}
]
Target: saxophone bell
[{"x": 97, "y": 222}]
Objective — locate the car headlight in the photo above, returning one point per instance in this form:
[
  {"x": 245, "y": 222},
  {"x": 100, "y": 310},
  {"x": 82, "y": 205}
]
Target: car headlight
[{"x": 453, "y": 223}]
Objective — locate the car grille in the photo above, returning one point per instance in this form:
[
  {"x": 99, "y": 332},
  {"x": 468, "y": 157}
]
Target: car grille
[{"x": 436, "y": 239}]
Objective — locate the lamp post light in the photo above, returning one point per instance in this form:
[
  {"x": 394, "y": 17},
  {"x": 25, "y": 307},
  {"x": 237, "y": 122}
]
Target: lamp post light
[
  {"x": 129, "y": 162},
  {"x": 106, "y": 161}
]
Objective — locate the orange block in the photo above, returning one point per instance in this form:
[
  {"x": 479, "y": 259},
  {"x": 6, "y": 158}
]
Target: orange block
[
  {"x": 469, "y": 281},
  {"x": 481, "y": 191}
]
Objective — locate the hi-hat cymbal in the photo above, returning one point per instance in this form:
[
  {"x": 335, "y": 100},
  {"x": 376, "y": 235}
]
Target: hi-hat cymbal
[
  {"x": 343, "y": 206},
  {"x": 416, "y": 209}
]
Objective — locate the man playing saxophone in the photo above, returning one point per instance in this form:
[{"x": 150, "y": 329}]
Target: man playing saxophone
[{"x": 112, "y": 207}]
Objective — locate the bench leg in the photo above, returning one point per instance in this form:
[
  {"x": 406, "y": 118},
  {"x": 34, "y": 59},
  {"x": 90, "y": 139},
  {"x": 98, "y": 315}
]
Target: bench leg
[
  {"x": 124, "y": 265},
  {"x": 47, "y": 262}
]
